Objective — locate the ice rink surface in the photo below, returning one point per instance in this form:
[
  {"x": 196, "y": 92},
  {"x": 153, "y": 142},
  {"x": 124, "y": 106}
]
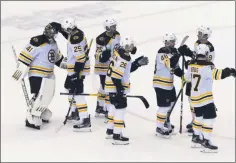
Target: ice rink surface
[{"x": 146, "y": 22}]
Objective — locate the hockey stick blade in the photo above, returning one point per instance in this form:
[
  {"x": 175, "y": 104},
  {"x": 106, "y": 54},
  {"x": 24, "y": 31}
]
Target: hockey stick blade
[
  {"x": 184, "y": 40},
  {"x": 143, "y": 99}
]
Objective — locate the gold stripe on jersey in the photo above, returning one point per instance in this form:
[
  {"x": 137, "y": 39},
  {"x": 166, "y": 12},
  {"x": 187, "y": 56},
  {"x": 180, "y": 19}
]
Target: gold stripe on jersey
[
  {"x": 82, "y": 107},
  {"x": 86, "y": 68},
  {"x": 201, "y": 98},
  {"x": 162, "y": 81},
  {"x": 111, "y": 85},
  {"x": 195, "y": 65},
  {"x": 206, "y": 128},
  {"x": 70, "y": 68},
  {"x": 101, "y": 67},
  {"x": 118, "y": 123},
  {"x": 81, "y": 58},
  {"x": 216, "y": 74},
  {"x": 41, "y": 70},
  {"x": 43, "y": 44}
]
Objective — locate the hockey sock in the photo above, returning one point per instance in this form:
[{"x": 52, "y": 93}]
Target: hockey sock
[
  {"x": 73, "y": 106},
  {"x": 207, "y": 127},
  {"x": 81, "y": 107},
  {"x": 193, "y": 114},
  {"x": 161, "y": 116},
  {"x": 197, "y": 125},
  {"x": 101, "y": 97},
  {"x": 111, "y": 113},
  {"x": 119, "y": 120}
]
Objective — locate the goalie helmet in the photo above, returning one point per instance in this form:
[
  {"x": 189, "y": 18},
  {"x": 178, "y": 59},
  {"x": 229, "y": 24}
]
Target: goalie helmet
[
  {"x": 204, "y": 32},
  {"x": 50, "y": 32},
  {"x": 202, "y": 50},
  {"x": 68, "y": 24},
  {"x": 169, "y": 39},
  {"x": 127, "y": 43},
  {"x": 110, "y": 25}
]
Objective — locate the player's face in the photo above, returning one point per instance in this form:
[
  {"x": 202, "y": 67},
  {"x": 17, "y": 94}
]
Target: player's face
[
  {"x": 171, "y": 43},
  {"x": 129, "y": 48},
  {"x": 202, "y": 37}
]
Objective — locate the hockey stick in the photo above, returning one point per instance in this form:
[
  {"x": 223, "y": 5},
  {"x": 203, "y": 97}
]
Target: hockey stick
[
  {"x": 23, "y": 83},
  {"x": 73, "y": 96},
  {"x": 143, "y": 99},
  {"x": 182, "y": 87}
]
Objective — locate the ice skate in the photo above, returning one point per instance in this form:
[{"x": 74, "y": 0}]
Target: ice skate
[
  {"x": 109, "y": 134},
  {"x": 208, "y": 147},
  {"x": 196, "y": 141},
  {"x": 118, "y": 139},
  {"x": 84, "y": 125},
  {"x": 27, "y": 124},
  {"x": 162, "y": 133}
]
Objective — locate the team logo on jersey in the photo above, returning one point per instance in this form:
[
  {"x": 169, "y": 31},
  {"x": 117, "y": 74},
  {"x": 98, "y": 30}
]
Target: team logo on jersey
[
  {"x": 51, "y": 56},
  {"x": 76, "y": 37},
  {"x": 35, "y": 39}
]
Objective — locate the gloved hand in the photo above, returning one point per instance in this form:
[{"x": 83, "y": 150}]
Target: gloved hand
[
  {"x": 134, "y": 50},
  {"x": 233, "y": 72},
  {"x": 63, "y": 64},
  {"x": 187, "y": 63},
  {"x": 142, "y": 61},
  {"x": 184, "y": 50}
]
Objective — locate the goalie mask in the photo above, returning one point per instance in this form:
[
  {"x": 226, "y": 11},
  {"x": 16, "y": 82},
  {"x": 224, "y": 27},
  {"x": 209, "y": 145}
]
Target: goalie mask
[{"x": 50, "y": 32}]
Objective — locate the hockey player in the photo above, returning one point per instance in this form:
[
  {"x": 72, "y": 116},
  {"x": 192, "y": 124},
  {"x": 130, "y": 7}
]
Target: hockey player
[
  {"x": 37, "y": 60},
  {"x": 201, "y": 73},
  {"x": 105, "y": 43},
  {"x": 163, "y": 82},
  {"x": 117, "y": 85},
  {"x": 78, "y": 66},
  {"x": 203, "y": 34}
]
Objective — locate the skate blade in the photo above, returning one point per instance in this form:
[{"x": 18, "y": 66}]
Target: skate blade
[
  {"x": 206, "y": 150},
  {"x": 87, "y": 129},
  {"x": 109, "y": 137},
  {"x": 120, "y": 142},
  {"x": 195, "y": 145},
  {"x": 27, "y": 124},
  {"x": 163, "y": 136}
]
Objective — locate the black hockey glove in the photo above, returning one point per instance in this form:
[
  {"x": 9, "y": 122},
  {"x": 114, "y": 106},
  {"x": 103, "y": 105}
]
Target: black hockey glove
[
  {"x": 141, "y": 61},
  {"x": 134, "y": 50},
  {"x": 105, "y": 56},
  {"x": 233, "y": 72},
  {"x": 186, "y": 64},
  {"x": 184, "y": 50}
]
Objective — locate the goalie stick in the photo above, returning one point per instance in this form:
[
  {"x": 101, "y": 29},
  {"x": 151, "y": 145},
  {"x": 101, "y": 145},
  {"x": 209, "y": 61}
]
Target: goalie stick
[
  {"x": 143, "y": 99},
  {"x": 73, "y": 96},
  {"x": 23, "y": 83}
]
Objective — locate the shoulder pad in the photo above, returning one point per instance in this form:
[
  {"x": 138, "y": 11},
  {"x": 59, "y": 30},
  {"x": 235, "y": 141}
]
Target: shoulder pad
[
  {"x": 164, "y": 50},
  {"x": 101, "y": 39},
  {"x": 38, "y": 40},
  {"x": 116, "y": 33},
  {"x": 204, "y": 63},
  {"x": 197, "y": 42},
  {"x": 211, "y": 47},
  {"x": 76, "y": 36},
  {"x": 121, "y": 52}
]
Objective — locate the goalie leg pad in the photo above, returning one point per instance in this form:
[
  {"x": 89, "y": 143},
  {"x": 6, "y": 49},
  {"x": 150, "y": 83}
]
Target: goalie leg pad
[
  {"x": 46, "y": 115},
  {"x": 44, "y": 97}
]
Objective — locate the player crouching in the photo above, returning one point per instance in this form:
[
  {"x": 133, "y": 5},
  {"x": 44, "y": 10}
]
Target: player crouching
[
  {"x": 201, "y": 74},
  {"x": 37, "y": 60},
  {"x": 117, "y": 84}
]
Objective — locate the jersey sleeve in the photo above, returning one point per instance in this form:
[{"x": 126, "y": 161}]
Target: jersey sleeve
[
  {"x": 216, "y": 74},
  {"x": 28, "y": 54}
]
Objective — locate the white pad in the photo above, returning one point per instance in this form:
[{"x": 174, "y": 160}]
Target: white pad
[
  {"x": 46, "y": 115},
  {"x": 21, "y": 71},
  {"x": 45, "y": 96}
]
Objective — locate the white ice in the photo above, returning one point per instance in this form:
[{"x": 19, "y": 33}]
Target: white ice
[{"x": 146, "y": 22}]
